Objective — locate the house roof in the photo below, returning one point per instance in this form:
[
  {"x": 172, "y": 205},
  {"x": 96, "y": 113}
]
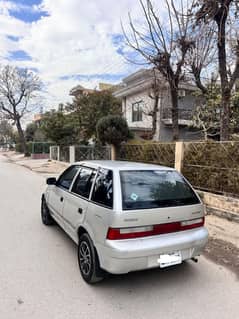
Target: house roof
[
  {"x": 138, "y": 74},
  {"x": 79, "y": 89},
  {"x": 142, "y": 80}
]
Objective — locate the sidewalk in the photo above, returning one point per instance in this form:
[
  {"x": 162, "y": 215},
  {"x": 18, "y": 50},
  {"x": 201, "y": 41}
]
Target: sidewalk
[{"x": 42, "y": 166}]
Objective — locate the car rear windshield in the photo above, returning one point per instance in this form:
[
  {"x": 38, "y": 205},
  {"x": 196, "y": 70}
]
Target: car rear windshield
[{"x": 144, "y": 189}]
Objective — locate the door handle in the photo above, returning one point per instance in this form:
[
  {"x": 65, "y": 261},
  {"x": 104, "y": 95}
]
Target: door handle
[
  {"x": 61, "y": 199},
  {"x": 80, "y": 210}
]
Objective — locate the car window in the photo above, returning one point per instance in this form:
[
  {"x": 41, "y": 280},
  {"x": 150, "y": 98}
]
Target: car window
[
  {"x": 103, "y": 189},
  {"x": 67, "y": 177},
  {"x": 83, "y": 182},
  {"x": 153, "y": 189}
]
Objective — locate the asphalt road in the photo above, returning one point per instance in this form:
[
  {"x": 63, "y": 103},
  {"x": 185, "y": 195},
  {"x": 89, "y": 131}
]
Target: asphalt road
[{"x": 39, "y": 276}]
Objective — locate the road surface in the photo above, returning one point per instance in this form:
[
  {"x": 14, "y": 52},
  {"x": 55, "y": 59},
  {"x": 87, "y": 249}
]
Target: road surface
[{"x": 39, "y": 276}]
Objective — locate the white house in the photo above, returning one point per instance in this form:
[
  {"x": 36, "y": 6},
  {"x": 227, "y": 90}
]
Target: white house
[{"x": 137, "y": 95}]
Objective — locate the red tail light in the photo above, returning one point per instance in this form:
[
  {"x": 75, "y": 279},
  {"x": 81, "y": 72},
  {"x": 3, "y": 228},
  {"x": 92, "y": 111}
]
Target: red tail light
[{"x": 136, "y": 232}]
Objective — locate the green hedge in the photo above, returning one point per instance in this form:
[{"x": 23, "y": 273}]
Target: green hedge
[
  {"x": 209, "y": 166},
  {"x": 34, "y": 148},
  {"x": 213, "y": 166},
  {"x": 156, "y": 153}
]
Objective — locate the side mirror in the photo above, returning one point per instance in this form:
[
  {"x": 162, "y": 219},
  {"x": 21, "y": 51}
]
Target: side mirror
[{"x": 51, "y": 181}]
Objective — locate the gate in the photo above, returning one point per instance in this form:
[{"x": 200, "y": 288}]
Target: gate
[{"x": 83, "y": 153}]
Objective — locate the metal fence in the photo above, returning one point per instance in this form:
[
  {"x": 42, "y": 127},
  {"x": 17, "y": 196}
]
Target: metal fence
[
  {"x": 54, "y": 153},
  {"x": 83, "y": 153},
  {"x": 64, "y": 154},
  {"x": 183, "y": 114},
  {"x": 80, "y": 153},
  {"x": 39, "y": 147}
]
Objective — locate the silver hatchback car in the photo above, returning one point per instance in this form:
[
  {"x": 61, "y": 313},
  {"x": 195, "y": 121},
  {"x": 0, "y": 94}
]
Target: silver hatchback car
[{"x": 125, "y": 216}]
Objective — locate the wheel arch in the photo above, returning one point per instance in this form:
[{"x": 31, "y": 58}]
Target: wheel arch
[
  {"x": 84, "y": 230},
  {"x": 80, "y": 231}
]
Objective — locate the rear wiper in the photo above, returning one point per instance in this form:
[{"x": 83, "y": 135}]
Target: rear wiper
[
  {"x": 169, "y": 202},
  {"x": 141, "y": 183}
]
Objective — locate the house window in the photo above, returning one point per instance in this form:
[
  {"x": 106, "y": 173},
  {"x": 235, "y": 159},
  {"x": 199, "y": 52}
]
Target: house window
[{"x": 137, "y": 111}]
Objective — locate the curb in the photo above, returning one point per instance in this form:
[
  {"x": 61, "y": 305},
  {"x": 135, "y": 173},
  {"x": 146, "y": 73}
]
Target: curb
[{"x": 222, "y": 213}]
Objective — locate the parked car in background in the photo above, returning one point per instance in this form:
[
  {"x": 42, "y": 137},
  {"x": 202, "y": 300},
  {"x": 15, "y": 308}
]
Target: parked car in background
[{"x": 125, "y": 216}]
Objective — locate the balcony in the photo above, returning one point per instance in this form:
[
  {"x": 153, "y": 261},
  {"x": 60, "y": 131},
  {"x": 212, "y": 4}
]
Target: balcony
[{"x": 184, "y": 116}]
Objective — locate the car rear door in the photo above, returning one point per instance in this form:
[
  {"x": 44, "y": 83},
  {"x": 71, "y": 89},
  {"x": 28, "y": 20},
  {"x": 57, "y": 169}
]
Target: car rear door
[
  {"x": 157, "y": 197},
  {"x": 57, "y": 194},
  {"x": 77, "y": 201}
]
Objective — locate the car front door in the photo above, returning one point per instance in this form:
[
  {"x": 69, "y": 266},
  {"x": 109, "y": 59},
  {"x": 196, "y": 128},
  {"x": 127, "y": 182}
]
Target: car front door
[
  {"x": 77, "y": 200},
  {"x": 57, "y": 195}
]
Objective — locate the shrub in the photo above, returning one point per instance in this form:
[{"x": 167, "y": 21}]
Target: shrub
[
  {"x": 112, "y": 129},
  {"x": 19, "y": 148}
]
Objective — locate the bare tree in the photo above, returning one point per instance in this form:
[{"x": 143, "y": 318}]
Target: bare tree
[
  {"x": 17, "y": 89},
  {"x": 224, "y": 15},
  {"x": 202, "y": 57},
  {"x": 164, "y": 43}
]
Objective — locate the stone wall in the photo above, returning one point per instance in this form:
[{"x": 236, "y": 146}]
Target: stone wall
[
  {"x": 40, "y": 156},
  {"x": 222, "y": 206}
]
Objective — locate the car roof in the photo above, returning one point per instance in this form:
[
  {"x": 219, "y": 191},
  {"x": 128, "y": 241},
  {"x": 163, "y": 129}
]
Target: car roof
[{"x": 123, "y": 165}]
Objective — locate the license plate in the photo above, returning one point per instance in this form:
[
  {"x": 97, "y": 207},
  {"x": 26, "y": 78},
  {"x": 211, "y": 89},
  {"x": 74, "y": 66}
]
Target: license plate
[{"x": 171, "y": 259}]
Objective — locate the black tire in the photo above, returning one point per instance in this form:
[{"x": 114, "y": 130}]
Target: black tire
[
  {"x": 88, "y": 261},
  {"x": 45, "y": 214}
]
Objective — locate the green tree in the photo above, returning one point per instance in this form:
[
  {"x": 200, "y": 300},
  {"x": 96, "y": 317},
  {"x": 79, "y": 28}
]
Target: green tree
[
  {"x": 34, "y": 132},
  {"x": 59, "y": 127},
  {"x": 113, "y": 129},
  {"x": 87, "y": 110},
  {"x": 30, "y": 131}
]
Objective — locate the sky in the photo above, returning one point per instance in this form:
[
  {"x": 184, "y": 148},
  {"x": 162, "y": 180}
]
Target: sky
[{"x": 67, "y": 42}]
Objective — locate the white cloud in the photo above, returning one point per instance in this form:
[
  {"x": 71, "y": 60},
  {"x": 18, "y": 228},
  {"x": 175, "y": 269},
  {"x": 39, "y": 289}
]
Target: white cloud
[
  {"x": 76, "y": 38},
  {"x": 11, "y": 26}
]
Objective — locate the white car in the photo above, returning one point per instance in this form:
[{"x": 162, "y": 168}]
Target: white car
[{"x": 126, "y": 216}]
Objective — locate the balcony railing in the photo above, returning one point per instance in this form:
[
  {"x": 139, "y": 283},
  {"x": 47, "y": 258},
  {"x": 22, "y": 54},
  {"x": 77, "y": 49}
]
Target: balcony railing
[{"x": 183, "y": 114}]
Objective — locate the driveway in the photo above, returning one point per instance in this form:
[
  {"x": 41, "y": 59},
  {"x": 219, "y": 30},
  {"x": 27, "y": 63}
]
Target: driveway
[{"x": 39, "y": 276}]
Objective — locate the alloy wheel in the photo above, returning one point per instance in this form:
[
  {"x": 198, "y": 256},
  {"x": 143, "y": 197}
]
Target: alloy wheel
[{"x": 85, "y": 258}]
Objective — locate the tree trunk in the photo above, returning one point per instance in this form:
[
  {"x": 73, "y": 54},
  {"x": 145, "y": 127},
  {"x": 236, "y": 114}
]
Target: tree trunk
[
  {"x": 21, "y": 136},
  {"x": 225, "y": 90},
  {"x": 225, "y": 116},
  {"x": 155, "y": 115},
  {"x": 175, "y": 126}
]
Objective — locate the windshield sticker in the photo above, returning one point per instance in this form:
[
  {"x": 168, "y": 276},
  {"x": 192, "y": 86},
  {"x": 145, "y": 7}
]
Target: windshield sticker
[{"x": 134, "y": 196}]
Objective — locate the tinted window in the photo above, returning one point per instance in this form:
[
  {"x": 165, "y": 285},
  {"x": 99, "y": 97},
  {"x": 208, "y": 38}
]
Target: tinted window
[
  {"x": 103, "y": 189},
  {"x": 83, "y": 182},
  {"x": 156, "y": 188},
  {"x": 67, "y": 177}
]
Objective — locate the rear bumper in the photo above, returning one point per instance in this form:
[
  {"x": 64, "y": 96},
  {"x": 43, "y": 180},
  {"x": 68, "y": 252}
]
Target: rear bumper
[{"x": 123, "y": 256}]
